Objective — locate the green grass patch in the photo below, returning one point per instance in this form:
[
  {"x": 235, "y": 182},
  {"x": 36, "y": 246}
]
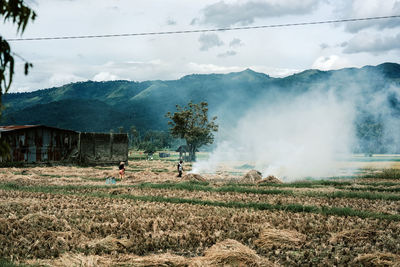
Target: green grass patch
[
  {"x": 198, "y": 186},
  {"x": 159, "y": 170},
  {"x": 8, "y": 263},
  {"x": 232, "y": 204},
  {"x": 361, "y": 195},
  {"x": 384, "y": 174}
]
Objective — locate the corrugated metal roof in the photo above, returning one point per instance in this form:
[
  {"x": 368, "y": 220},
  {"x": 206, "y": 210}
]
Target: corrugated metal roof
[{"x": 8, "y": 128}]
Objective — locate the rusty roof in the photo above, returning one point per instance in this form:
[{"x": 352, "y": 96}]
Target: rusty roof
[
  {"x": 15, "y": 127},
  {"x": 9, "y": 128}
]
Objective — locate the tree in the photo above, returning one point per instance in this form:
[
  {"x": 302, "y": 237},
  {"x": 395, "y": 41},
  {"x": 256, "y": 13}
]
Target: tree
[
  {"x": 18, "y": 13},
  {"x": 191, "y": 123}
]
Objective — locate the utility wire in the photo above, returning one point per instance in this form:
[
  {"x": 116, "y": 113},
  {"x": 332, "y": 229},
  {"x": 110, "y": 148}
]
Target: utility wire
[{"x": 200, "y": 31}]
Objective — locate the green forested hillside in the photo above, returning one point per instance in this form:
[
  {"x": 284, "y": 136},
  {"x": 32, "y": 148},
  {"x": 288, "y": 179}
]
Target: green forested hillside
[{"x": 101, "y": 106}]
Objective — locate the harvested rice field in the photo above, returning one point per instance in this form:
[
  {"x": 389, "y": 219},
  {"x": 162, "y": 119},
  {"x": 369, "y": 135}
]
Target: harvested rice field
[{"x": 69, "y": 216}]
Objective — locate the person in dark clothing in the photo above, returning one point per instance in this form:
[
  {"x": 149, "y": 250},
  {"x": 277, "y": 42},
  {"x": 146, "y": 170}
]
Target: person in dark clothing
[
  {"x": 121, "y": 170},
  {"x": 180, "y": 168}
]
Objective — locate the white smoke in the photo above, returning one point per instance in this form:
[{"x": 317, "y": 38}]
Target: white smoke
[{"x": 291, "y": 138}]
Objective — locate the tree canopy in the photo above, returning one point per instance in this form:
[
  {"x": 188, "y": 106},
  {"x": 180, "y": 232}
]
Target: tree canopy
[
  {"x": 18, "y": 13},
  {"x": 191, "y": 123}
]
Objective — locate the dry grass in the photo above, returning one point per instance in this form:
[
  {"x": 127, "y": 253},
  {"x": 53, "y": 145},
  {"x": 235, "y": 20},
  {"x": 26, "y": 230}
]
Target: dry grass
[
  {"x": 84, "y": 230},
  {"x": 252, "y": 176},
  {"x": 353, "y": 235},
  {"x": 231, "y": 253},
  {"x": 225, "y": 253},
  {"x": 193, "y": 177},
  {"x": 271, "y": 238},
  {"x": 378, "y": 259}
]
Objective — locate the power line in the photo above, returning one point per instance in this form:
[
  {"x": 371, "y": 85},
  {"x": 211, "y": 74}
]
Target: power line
[{"x": 200, "y": 31}]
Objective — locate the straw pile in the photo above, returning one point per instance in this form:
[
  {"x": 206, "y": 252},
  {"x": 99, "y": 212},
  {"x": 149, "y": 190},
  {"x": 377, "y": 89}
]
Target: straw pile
[
  {"x": 166, "y": 259},
  {"x": 72, "y": 260},
  {"x": 352, "y": 235},
  {"x": 252, "y": 176},
  {"x": 111, "y": 243},
  {"x": 193, "y": 177},
  {"x": 270, "y": 180},
  {"x": 271, "y": 238},
  {"x": 230, "y": 253},
  {"x": 378, "y": 259}
]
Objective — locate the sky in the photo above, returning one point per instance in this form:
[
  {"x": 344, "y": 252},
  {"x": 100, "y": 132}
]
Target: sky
[{"x": 278, "y": 52}]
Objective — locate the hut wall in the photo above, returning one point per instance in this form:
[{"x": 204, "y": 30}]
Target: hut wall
[
  {"x": 41, "y": 144},
  {"x": 101, "y": 148}
]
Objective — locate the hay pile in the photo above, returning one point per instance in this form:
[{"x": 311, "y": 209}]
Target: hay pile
[
  {"x": 166, "y": 259},
  {"x": 193, "y": 177},
  {"x": 252, "y": 176},
  {"x": 270, "y": 180},
  {"x": 271, "y": 238},
  {"x": 73, "y": 260},
  {"x": 110, "y": 244},
  {"x": 378, "y": 259},
  {"x": 352, "y": 235},
  {"x": 225, "y": 253},
  {"x": 230, "y": 253}
]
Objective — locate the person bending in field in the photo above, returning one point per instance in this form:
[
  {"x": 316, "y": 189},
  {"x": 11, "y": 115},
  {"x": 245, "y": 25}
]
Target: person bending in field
[
  {"x": 180, "y": 168},
  {"x": 121, "y": 170}
]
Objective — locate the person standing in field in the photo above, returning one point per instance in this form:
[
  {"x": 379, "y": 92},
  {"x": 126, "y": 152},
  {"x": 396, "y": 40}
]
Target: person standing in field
[
  {"x": 180, "y": 168},
  {"x": 121, "y": 170}
]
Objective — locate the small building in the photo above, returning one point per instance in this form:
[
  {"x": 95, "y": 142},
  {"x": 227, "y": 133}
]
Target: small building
[
  {"x": 40, "y": 143},
  {"x": 103, "y": 148}
]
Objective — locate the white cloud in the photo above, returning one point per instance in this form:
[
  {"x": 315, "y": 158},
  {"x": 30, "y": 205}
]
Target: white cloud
[
  {"x": 209, "y": 40},
  {"x": 370, "y": 8},
  {"x": 224, "y": 14},
  {"x": 330, "y": 63},
  {"x": 365, "y": 42},
  {"x": 59, "y": 79},
  {"x": 105, "y": 76},
  {"x": 211, "y": 68}
]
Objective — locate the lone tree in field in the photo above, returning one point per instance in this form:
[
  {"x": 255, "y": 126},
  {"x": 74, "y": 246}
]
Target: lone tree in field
[{"x": 191, "y": 123}]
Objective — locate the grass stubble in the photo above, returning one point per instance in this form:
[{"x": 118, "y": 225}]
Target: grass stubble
[{"x": 163, "y": 221}]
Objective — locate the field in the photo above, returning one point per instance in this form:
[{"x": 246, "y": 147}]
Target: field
[{"x": 69, "y": 216}]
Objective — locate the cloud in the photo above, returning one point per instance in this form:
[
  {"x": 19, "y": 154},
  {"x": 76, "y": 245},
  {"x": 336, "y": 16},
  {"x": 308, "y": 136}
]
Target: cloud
[
  {"x": 370, "y": 8},
  {"x": 211, "y": 68},
  {"x": 59, "y": 79},
  {"x": 171, "y": 22},
  {"x": 330, "y": 62},
  {"x": 105, "y": 76},
  {"x": 223, "y": 14},
  {"x": 208, "y": 41},
  {"x": 375, "y": 44},
  {"x": 324, "y": 46},
  {"x": 227, "y": 54},
  {"x": 236, "y": 42}
]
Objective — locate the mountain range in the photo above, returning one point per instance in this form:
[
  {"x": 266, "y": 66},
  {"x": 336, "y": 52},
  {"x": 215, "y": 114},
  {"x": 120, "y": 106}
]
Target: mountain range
[{"x": 102, "y": 106}]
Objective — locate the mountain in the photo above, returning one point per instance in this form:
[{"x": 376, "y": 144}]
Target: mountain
[{"x": 101, "y": 106}]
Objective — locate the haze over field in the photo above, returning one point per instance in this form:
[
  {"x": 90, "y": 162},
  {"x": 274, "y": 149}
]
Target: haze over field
[{"x": 292, "y": 135}]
